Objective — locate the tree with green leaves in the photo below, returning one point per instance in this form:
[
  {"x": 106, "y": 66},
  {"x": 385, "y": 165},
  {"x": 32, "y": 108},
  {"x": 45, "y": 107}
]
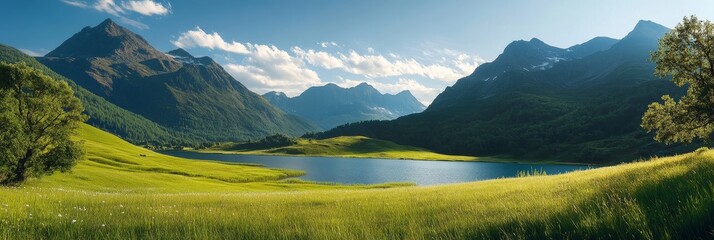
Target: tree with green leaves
[
  {"x": 38, "y": 115},
  {"x": 687, "y": 55}
]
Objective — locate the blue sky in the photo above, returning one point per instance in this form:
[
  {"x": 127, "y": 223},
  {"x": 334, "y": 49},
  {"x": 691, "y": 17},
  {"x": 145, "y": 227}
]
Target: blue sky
[{"x": 417, "y": 45}]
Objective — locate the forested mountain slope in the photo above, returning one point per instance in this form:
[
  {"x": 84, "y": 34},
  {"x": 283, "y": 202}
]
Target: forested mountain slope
[
  {"x": 539, "y": 101},
  {"x": 195, "y": 96}
]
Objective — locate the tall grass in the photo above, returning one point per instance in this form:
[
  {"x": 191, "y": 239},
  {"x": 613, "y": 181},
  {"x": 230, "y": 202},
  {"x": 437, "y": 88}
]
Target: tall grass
[
  {"x": 125, "y": 198},
  {"x": 667, "y": 198},
  {"x": 532, "y": 172}
]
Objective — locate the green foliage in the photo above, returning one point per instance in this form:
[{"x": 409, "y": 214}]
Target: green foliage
[
  {"x": 38, "y": 115},
  {"x": 272, "y": 141},
  {"x": 686, "y": 54}
]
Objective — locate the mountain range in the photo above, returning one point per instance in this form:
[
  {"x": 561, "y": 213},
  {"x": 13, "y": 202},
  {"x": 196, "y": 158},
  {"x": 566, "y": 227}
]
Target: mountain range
[
  {"x": 331, "y": 105},
  {"x": 191, "y": 95},
  {"x": 535, "y": 101}
]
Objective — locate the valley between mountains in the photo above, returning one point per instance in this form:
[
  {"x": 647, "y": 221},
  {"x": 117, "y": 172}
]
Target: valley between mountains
[
  {"x": 542, "y": 142},
  {"x": 534, "y": 102}
]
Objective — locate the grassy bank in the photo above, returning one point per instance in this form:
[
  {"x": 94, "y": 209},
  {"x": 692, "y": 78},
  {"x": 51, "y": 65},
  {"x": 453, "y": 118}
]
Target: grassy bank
[
  {"x": 352, "y": 147},
  {"x": 113, "y": 164},
  {"x": 658, "y": 199}
]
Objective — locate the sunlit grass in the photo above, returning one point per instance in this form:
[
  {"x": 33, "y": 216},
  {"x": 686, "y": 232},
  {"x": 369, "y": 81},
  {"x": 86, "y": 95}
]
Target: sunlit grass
[
  {"x": 353, "y": 147},
  {"x": 113, "y": 164},
  {"x": 662, "y": 198}
]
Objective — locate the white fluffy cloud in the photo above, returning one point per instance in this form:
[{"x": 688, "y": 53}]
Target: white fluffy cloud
[
  {"x": 265, "y": 67},
  {"x": 108, "y": 6},
  {"x": 328, "y": 44},
  {"x": 318, "y": 58},
  {"x": 374, "y": 65},
  {"x": 466, "y": 63},
  {"x": 76, "y": 3},
  {"x": 377, "y": 69},
  {"x": 268, "y": 68},
  {"x": 143, "y": 7},
  {"x": 146, "y": 7},
  {"x": 198, "y": 38}
]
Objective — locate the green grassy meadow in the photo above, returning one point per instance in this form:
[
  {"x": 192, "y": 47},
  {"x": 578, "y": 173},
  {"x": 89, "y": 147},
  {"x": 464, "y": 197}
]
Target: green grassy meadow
[
  {"x": 116, "y": 193},
  {"x": 114, "y": 165},
  {"x": 351, "y": 147}
]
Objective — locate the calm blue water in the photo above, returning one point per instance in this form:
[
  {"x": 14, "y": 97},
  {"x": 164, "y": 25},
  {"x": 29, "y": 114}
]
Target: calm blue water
[{"x": 370, "y": 171}]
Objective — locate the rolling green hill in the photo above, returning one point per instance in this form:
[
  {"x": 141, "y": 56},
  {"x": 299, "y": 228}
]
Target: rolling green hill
[
  {"x": 114, "y": 165},
  {"x": 353, "y": 147},
  {"x": 116, "y": 193}
]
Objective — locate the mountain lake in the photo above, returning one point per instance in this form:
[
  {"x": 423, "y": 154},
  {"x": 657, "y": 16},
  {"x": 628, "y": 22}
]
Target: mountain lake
[{"x": 374, "y": 171}]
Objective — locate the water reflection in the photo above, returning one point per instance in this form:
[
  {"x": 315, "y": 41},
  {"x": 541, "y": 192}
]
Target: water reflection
[{"x": 371, "y": 171}]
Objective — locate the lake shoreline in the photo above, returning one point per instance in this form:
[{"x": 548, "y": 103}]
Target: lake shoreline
[
  {"x": 476, "y": 159},
  {"x": 348, "y": 170}
]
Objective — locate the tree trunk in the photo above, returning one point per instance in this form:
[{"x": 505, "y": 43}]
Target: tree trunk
[{"x": 19, "y": 175}]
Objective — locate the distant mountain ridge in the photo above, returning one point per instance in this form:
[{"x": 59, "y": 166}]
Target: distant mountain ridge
[
  {"x": 594, "y": 45},
  {"x": 176, "y": 90},
  {"x": 584, "y": 105},
  {"x": 332, "y": 105},
  {"x": 519, "y": 56}
]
